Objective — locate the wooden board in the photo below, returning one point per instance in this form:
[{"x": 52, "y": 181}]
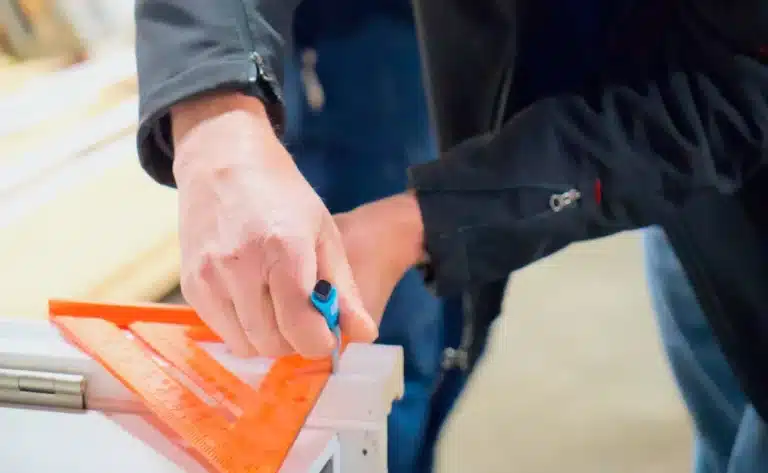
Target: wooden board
[
  {"x": 99, "y": 230},
  {"x": 78, "y": 216},
  {"x": 50, "y": 102},
  {"x": 59, "y": 124},
  {"x": 23, "y": 168},
  {"x": 44, "y": 28},
  {"x": 14, "y": 74},
  {"x": 35, "y": 28}
]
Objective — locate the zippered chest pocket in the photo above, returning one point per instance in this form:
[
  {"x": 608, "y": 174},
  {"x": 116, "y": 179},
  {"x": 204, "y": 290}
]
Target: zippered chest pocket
[{"x": 533, "y": 202}]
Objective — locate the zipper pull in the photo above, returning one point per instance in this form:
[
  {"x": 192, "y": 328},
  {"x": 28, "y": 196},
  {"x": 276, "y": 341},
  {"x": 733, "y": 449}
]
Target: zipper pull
[
  {"x": 260, "y": 73},
  {"x": 455, "y": 358},
  {"x": 558, "y": 202},
  {"x": 312, "y": 86}
]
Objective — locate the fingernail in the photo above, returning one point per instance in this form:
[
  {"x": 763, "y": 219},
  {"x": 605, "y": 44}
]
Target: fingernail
[
  {"x": 374, "y": 331},
  {"x": 371, "y": 327}
]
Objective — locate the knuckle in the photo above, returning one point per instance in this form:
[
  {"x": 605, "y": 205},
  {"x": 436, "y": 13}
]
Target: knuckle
[
  {"x": 206, "y": 267},
  {"x": 278, "y": 248},
  {"x": 243, "y": 244},
  {"x": 233, "y": 253},
  {"x": 198, "y": 278},
  {"x": 260, "y": 247},
  {"x": 201, "y": 265},
  {"x": 280, "y": 241}
]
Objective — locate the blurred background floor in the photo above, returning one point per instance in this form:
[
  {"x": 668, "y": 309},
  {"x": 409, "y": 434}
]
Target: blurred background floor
[{"x": 575, "y": 380}]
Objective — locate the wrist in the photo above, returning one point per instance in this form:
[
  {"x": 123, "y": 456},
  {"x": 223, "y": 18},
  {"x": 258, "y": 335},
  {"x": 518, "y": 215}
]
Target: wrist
[
  {"x": 190, "y": 113},
  {"x": 204, "y": 124},
  {"x": 406, "y": 227}
]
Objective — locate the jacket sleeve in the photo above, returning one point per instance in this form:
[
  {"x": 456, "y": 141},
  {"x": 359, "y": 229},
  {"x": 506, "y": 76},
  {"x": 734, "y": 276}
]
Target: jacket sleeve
[
  {"x": 579, "y": 167},
  {"x": 186, "y": 48}
]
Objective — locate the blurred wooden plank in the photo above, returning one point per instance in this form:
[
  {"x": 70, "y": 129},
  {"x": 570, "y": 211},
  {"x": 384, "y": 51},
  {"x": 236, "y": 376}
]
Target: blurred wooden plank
[
  {"x": 100, "y": 229},
  {"x": 61, "y": 98},
  {"x": 43, "y": 28},
  {"x": 5, "y": 60},
  {"x": 14, "y": 74},
  {"x": 69, "y": 120},
  {"x": 78, "y": 216},
  {"x": 23, "y": 163},
  {"x": 97, "y": 104},
  {"x": 37, "y": 28}
]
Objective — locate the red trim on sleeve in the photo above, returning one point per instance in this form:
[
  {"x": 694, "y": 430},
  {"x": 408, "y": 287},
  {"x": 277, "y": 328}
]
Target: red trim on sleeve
[{"x": 598, "y": 191}]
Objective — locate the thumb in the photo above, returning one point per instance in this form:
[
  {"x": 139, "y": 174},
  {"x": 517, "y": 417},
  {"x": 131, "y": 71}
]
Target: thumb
[{"x": 332, "y": 265}]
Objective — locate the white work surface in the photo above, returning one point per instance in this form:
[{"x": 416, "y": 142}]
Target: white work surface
[
  {"x": 48, "y": 441},
  {"x": 347, "y": 427}
]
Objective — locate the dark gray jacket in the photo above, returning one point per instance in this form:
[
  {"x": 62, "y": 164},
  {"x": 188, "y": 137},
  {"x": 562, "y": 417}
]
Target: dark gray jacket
[{"x": 674, "y": 132}]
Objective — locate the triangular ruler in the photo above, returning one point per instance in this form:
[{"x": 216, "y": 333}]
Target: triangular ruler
[{"x": 227, "y": 425}]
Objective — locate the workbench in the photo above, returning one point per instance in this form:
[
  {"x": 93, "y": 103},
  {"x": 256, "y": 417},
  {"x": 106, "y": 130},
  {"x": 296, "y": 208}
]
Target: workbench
[
  {"x": 93, "y": 442},
  {"x": 345, "y": 433}
]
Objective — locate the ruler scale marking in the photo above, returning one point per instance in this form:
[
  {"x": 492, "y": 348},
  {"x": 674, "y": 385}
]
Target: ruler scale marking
[{"x": 269, "y": 418}]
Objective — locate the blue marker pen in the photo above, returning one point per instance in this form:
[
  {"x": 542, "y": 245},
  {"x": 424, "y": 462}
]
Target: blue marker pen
[{"x": 326, "y": 302}]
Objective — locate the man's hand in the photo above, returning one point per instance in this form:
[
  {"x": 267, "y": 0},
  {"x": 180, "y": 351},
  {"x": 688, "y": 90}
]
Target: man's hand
[
  {"x": 254, "y": 235},
  {"x": 383, "y": 240}
]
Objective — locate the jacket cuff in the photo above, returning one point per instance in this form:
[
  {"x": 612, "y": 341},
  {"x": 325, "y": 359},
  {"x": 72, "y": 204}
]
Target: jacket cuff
[
  {"x": 154, "y": 137},
  {"x": 447, "y": 271},
  {"x": 488, "y": 211},
  {"x": 443, "y": 216}
]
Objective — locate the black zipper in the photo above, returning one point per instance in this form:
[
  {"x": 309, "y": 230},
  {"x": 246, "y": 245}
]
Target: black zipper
[
  {"x": 502, "y": 99},
  {"x": 258, "y": 73},
  {"x": 459, "y": 357}
]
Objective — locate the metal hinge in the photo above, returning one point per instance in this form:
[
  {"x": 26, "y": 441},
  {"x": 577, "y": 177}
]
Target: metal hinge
[{"x": 42, "y": 389}]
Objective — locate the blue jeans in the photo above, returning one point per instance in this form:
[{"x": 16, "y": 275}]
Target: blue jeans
[
  {"x": 355, "y": 149},
  {"x": 730, "y": 437}
]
